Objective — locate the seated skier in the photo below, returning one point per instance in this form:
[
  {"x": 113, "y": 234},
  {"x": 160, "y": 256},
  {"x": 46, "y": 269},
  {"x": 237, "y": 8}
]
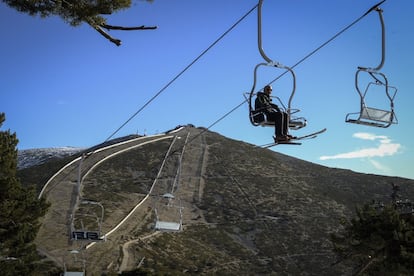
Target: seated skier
[{"x": 263, "y": 103}]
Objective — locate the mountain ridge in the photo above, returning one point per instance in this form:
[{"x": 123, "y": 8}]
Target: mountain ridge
[{"x": 244, "y": 209}]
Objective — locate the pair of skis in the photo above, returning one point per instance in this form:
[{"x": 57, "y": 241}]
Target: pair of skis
[{"x": 295, "y": 141}]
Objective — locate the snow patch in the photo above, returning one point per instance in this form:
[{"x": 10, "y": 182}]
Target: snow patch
[{"x": 32, "y": 157}]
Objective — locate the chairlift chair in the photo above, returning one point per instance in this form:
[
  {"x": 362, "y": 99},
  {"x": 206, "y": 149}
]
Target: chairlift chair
[
  {"x": 83, "y": 233},
  {"x": 166, "y": 215},
  {"x": 258, "y": 118},
  {"x": 77, "y": 266},
  {"x": 374, "y": 116}
]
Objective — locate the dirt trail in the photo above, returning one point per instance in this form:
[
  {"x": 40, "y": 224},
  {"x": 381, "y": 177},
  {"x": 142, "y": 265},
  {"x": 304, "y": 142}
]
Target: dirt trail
[{"x": 126, "y": 260}]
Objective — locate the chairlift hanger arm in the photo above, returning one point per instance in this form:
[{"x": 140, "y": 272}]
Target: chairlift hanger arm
[
  {"x": 381, "y": 18},
  {"x": 259, "y": 39},
  {"x": 259, "y": 32}
]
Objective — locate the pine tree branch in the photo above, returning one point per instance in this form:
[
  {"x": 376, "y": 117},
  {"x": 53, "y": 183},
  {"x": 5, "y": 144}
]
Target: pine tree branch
[
  {"x": 116, "y": 41},
  {"x": 110, "y": 27}
]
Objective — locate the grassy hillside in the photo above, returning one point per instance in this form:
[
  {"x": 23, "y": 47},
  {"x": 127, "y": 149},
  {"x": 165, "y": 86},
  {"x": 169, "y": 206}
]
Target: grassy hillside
[{"x": 245, "y": 210}]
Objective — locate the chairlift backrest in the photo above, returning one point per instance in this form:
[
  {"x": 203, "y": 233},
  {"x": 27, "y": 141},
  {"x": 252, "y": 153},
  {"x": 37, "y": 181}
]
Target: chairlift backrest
[{"x": 376, "y": 114}]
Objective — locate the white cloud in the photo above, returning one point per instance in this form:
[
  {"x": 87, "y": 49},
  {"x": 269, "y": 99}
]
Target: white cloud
[
  {"x": 372, "y": 137},
  {"x": 385, "y": 148}
]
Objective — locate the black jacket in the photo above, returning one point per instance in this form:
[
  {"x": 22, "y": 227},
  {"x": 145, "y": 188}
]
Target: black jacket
[{"x": 264, "y": 103}]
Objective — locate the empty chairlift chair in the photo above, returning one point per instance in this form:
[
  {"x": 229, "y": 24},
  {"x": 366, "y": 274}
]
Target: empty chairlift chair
[
  {"x": 374, "y": 116},
  {"x": 369, "y": 115},
  {"x": 168, "y": 215},
  {"x": 87, "y": 222}
]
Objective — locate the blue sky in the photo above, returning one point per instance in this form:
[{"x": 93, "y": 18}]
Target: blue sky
[{"x": 65, "y": 86}]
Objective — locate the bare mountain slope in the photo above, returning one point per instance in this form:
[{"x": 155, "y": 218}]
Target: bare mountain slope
[{"x": 245, "y": 210}]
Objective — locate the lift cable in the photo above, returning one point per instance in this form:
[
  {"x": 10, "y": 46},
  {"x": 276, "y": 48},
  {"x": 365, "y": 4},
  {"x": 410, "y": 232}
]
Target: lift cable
[
  {"x": 182, "y": 72},
  {"x": 302, "y": 60},
  {"x": 282, "y": 74},
  {"x": 331, "y": 39}
]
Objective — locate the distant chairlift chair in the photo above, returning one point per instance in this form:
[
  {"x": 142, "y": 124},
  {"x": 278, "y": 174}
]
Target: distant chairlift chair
[
  {"x": 84, "y": 233},
  {"x": 169, "y": 210}
]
